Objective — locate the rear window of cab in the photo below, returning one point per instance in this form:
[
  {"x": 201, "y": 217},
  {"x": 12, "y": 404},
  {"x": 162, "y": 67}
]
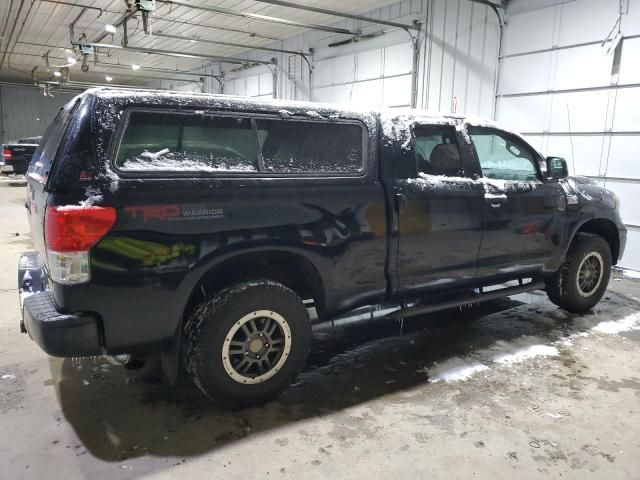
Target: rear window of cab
[{"x": 161, "y": 142}]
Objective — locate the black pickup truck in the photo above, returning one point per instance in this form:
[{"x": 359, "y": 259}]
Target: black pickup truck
[
  {"x": 206, "y": 228},
  {"x": 16, "y": 156}
]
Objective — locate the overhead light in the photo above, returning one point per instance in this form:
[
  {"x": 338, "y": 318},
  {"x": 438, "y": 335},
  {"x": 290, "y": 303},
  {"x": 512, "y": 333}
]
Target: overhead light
[
  {"x": 135, "y": 66},
  {"x": 57, "y": 73},
  {"x": 72, "y": 60},
  {"x": 108, "y": 78},
  {"x": 110, "y": 28},
  {"x": 193, "y": 40}
]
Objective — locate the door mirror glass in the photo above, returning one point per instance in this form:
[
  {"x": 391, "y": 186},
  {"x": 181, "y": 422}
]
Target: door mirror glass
[{"x": 557, "y": 168}]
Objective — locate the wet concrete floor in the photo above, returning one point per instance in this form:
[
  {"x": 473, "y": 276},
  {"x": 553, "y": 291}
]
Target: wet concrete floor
[{"x": 515, "y": 387}]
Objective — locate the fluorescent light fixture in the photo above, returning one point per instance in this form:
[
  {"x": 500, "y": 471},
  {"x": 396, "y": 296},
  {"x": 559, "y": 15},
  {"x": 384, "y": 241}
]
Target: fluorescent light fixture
[
  {"x": 135, "y": 66},
  {"x": 57, "y": 73},
  {"x": 108, "y": 78},
  {"x": 110, "y": 28},
  {"x": 72, "y": 60}
]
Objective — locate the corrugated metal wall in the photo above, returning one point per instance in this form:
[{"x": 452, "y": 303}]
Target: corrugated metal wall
[
  {"x": 25, "y": 112},
  {"x": 572, "y": 99},
  {"x": 458, "y": 59}
]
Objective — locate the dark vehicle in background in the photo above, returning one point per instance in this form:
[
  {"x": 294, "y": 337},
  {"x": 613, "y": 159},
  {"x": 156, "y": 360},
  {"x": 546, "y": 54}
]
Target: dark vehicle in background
[
  {"x": 206, "y": 228},
  {"x": 16, "y": 156}
]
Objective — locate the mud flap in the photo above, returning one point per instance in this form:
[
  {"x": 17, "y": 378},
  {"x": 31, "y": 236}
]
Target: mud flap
[{"x": 170, "y": 357}]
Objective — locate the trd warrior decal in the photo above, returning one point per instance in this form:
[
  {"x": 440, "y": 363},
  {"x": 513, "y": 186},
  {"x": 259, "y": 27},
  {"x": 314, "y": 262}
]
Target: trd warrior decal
[{"x": 149, "y": 213}]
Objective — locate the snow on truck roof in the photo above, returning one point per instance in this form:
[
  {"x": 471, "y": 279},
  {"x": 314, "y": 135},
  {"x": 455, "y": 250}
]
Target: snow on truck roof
[{"x": 393, "y": 120}]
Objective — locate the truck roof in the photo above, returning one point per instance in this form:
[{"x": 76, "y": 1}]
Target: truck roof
[{"x": 394, "y": 121}]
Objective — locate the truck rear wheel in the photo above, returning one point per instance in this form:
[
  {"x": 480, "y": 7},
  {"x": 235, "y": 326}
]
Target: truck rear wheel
[
  {"x": 583, "y": 278},
  {"x": 247, "y": 344}
]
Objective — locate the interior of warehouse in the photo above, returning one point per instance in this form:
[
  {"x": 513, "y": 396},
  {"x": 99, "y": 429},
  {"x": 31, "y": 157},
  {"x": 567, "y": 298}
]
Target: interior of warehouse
[
  {"x": 539, "y": 67},
  {"x": 527, "y": 388}
]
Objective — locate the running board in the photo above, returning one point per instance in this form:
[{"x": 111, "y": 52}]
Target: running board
[{"x": 476, "y": 298}]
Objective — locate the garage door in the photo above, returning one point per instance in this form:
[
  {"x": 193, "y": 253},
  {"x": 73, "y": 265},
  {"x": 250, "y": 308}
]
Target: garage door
[
  {"x": 571, "y": 98},
  {"x": 252, "y": 84},
  {"x": 380, "y": 76}
]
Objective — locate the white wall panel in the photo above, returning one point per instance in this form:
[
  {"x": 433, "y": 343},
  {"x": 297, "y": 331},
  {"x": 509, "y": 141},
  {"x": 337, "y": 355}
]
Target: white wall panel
[
  {"x": 631, "y": 255},
  {"x": 369, "y": 64},
  {"x": 623, "y": 157},
  {"x": 587, "y": 111},
  {"x": 367, "y": 93},
  {"x": 627, "y": 116},
  {"x": 628, "y": 194},
  {"x": 344, "y": 69},
  {"x": 266, "y": 84},
  {"x": 397, "y": 91},
  {"x": 587, "y": 66},
  {"x": 253, "y": 87},
  {"x": 323, "y": 72},
  {"x": 528, "y": 32},
  {"x": 524, "y": 114},
  {"x": 584, "y": 155},
  {"x": 586, "y": 20},
  {"x": 397, "y": 59},
  {"x": 531, "y": 73}
]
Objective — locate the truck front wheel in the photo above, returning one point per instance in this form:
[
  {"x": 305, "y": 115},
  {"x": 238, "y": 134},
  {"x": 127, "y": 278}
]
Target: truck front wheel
[
  {"x": 583, "y": 278},
  {"x": 248, "y": 343}
]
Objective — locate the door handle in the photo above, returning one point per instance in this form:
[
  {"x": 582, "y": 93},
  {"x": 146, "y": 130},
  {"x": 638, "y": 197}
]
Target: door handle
[
  {"x": 401, "y": 202},
  {"x": 496, "y": 201}
]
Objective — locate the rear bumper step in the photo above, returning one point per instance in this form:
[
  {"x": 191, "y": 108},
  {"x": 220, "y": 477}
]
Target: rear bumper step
[{"x": 60, "y": 334}]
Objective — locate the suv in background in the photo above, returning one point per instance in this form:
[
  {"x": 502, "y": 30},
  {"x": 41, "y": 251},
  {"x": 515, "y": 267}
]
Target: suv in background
[{"x": 204, "y": 227}]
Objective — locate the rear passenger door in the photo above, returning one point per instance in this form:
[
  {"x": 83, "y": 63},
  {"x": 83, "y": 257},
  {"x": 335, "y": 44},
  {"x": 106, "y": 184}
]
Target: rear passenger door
[
  {"x": 519, "y": 209},
  {"x": 438, "y": 211}
]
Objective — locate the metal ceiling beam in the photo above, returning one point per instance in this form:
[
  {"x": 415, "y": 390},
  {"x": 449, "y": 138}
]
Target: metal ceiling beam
[
  {"x": 230, "y": 44},
  {"x": 72, "y": 4},
  {"x": 256, "y": 16},
  {"x": 172, "y": 53},
  {"x": 325, "y": 11}
]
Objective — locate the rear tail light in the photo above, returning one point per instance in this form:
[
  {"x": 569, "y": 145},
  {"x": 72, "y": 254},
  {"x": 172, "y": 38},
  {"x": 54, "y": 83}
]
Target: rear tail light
[
  {"x": 6, "y": 154},
  {"x": 70, "y": 232}
]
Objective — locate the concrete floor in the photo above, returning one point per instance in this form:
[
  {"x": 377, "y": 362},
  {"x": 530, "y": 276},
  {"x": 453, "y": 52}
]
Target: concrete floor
[{"x": 516, "y": 389}]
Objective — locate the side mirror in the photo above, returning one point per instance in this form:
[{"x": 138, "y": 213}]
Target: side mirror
[{"x": 557, "y": 168}]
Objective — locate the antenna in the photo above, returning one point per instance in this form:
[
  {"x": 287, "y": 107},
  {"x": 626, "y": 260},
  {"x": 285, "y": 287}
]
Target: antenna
[{"x": 573, "y": 159}]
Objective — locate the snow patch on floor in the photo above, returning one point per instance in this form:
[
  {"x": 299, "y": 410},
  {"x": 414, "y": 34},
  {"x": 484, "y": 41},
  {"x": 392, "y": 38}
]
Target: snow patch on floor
[
  {"x": 612, "y": 327},
  {"x": 455, "y": 370},
  {"x": 526, "y": 354}
]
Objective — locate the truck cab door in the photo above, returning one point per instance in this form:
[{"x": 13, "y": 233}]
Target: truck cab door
[
  {"x": 521, "y": 227},
  {"x": 437, "y": 209}
]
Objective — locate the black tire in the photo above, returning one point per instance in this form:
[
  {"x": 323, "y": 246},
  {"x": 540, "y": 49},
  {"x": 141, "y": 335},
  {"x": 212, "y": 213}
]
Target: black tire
[
  {"x": 564, "y": 289},
  {"x": 212, "y": 324}
]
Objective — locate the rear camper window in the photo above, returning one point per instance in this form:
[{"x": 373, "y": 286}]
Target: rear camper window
[
  {"x": 42, "y": 159},
  {"x": 290, "y": 146},
  {"x": 186, "y": 143}
]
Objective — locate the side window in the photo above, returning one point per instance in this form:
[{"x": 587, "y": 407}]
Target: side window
[
  {"x": 437, "y": 152},
  {"x": 42, "y": 159},
  {"x": 181, "y": 142},
  {"x": 290, "y": 146},
  {"x": 501, "y": 157}
]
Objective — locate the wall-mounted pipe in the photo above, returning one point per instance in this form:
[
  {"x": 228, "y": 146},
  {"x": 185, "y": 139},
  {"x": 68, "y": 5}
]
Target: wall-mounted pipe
[
  {"x": 172, "y": 53},
  {"x": 231, "y": 44}
]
